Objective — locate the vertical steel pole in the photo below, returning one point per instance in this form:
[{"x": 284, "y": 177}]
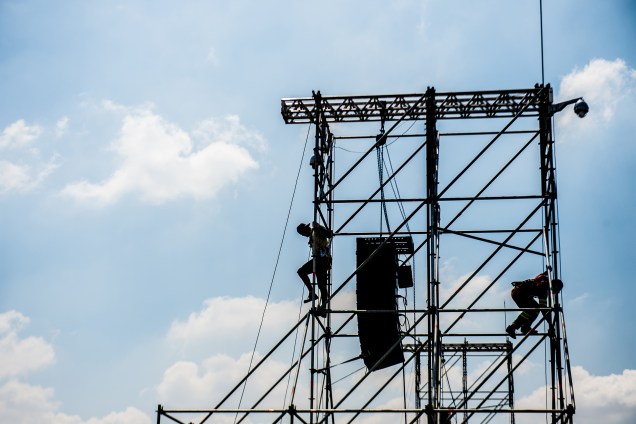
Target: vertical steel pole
[
  {"x": 549, "y": 192},
  {"x": 327, "y": 159},
  {"x": 544, "y": 146},
  {"x": 317, "y": 157},
  {"x": 465, "y": 377},
  {"x": 433, "y": 224},
  {"x": 418, "y": 381},
  {"x": 323, "y": 171},
  {"x": 511, "y": 383}
]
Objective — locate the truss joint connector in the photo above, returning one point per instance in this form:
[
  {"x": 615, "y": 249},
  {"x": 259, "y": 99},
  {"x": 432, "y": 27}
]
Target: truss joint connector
[
  {"x": 429, "y": 410},
  {"x": 319, "y": 371}
]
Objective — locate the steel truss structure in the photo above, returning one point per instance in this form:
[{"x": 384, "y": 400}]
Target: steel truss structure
[{"x": 481, "y": 207}]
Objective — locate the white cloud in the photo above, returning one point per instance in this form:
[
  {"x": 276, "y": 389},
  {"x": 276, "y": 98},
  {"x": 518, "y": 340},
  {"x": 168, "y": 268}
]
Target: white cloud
[
  {"x": 21, "y": 403},
  {"x": 13, "y": 177},
  {"x": 19, "y": 356},
  {"x": 468, "y": 293},
  {"x": 232, "y": 319},
  {"x": 188, "y": 384},
  {"x": 227, "y": 327},
  {"x": 61, "y": 126},
  {"x": 21, "y": 178},
  {"x": 495, "y": 297},
  {"x": 159, "y": 160},
  {"x": 25, "y": 174},
  {"x": 609, "y": 399},
  {"x": 228, "y": 130},
  {"x": 129, "y": 416},
  {"x": 19, "y": 134},
  {"x": 607, "y": 87}
]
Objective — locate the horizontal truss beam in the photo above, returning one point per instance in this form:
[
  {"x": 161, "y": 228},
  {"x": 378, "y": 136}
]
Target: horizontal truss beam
[
  {"x": 467, "y": 347},
  {"x": 456, "y": 105},
  {"x": 351, "y": 411}
]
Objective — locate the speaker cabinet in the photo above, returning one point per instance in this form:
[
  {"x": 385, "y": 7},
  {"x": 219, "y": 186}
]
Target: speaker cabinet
[{"x": 378, "y": 326}]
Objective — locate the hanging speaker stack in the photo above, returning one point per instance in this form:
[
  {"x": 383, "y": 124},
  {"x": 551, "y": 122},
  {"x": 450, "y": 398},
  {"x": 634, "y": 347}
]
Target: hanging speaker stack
[{"x": 378, "y": 326}]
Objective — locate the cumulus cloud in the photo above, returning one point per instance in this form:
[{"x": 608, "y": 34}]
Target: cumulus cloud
[
  {"x": 159, "y": 160},
  {"x": 228, "y": 130},
  {"x": 234, "y": 321},
  {"x": 19, "y": 134},
  {"x": 494, "y": 297},
  {"x": 227, "y": 327},
  {"x": 610, "y": 399},
  {"x": 189, "y": 384},
  {"x": 22, "y": 403},
  {"x": 468, "y": 293},
  {"x": 28, "y": 172},
  {"x": 21, "y": 355},
  {"x": 608, "y": 86},
  {"x": 22, "y": 178},
  {"x": 129, "y": 416},
  {"x": 13, "y": 177}
]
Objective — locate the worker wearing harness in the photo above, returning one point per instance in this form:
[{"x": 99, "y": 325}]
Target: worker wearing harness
[
  {"x": 319, "y": 241},
  {"x": 524, "y": 293}
]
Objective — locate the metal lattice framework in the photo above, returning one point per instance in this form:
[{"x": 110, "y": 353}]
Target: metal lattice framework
[
  {"x": 481, "y": 191},
  {"x": 459, "y": 105}
]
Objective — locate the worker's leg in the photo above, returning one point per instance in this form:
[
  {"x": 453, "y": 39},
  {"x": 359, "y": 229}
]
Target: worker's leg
[
  {"x": 304, "y": 272},
  {"x": 526, "y": 318},
  {"x": 322, "y": 266}
]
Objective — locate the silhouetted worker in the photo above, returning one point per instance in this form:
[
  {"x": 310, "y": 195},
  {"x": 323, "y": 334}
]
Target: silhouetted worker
[
  {"x": 319, "y": 241},
  {"x": 524, "y": 293}
]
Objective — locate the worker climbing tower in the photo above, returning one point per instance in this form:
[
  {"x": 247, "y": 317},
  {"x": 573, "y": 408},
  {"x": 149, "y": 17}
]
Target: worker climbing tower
[{"x": 437, "y": 201}]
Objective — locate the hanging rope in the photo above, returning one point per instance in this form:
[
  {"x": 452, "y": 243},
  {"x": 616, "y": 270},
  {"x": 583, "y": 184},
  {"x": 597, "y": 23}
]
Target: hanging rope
[
  {"x": 396, "y": 190},
  {"x": 380, "y": 154},
  {"x": 271, "y": 283},
  {"x": 398, "y": 195}
]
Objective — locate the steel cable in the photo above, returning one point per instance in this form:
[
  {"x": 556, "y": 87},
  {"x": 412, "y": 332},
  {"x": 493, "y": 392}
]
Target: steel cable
[{"x": 271, "y": 284}]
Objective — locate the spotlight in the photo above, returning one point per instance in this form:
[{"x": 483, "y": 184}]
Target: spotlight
[{"x": 581, "y": 108}]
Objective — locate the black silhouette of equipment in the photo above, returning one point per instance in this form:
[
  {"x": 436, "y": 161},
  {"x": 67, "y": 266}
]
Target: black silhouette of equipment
[{"x": 378, "y": 325}]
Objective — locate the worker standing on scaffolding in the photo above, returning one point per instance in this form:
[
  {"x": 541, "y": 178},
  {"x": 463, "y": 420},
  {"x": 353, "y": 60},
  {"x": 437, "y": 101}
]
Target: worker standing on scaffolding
[
  {"x": 319, "y": 241},
  {"x": 523, "y": 293}
]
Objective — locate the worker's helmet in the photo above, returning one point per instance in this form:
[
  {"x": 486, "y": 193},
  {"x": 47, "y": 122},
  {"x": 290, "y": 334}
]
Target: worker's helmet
[
  {"x": 557, "y": 285},
  {"x": 304, "y": 230}
]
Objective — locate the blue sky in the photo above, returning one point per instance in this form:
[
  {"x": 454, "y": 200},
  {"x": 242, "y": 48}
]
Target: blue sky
[{"x": 146, "y": 172}]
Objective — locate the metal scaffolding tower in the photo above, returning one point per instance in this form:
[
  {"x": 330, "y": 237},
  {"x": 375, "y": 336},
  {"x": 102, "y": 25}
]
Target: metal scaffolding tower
[{"x": 477, "y": 203}]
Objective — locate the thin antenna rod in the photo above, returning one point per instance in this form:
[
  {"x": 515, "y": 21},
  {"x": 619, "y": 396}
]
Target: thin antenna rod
[{"x": 541, "y": 25}]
